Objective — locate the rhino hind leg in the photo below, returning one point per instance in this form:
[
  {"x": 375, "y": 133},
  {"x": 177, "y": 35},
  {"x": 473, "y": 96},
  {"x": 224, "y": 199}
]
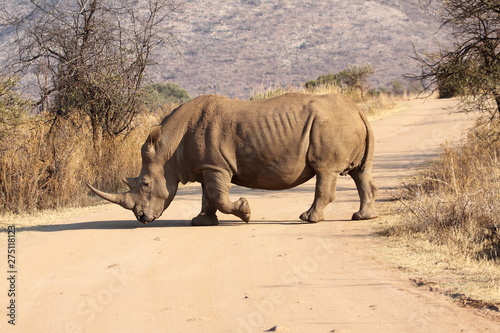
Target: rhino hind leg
[
  {"x": 367, "y": 191},
  {"x": 324, "y": 194},
  {"x": 216, "y": 191}
]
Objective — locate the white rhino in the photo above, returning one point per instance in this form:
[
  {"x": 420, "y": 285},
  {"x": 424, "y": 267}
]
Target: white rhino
[{"x": 273, "y": 144}]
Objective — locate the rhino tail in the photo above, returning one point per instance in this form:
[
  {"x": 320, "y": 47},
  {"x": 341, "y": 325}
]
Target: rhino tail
[{"x": 367, "y": 161}]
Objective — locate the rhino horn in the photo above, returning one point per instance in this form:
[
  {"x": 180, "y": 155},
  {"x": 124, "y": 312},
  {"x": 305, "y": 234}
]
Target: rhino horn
[{"x": 122, "y": 199}]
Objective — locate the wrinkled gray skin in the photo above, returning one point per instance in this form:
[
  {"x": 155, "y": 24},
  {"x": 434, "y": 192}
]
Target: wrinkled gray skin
[{"x": 274, "y": 144}]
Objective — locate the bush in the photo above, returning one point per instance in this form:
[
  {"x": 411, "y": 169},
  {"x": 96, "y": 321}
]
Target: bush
[
  {"x": 323, "y": 80},
  {"x": 449, "y": 84},
  {"x": 159, "y": 95},
  {"x": 350, "y": 80}
]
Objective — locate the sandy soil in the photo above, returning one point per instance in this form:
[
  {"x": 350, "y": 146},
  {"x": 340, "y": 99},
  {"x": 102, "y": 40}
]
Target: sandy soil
[{"x": 105, "y": 272}]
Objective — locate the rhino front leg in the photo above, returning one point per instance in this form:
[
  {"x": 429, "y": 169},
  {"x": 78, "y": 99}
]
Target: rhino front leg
[
  {"x": 367, "y": 191},
  {"x": 217, "y": 185},
  {"x": 207, "y": 215},
  {"x": 324, "y": 194}
]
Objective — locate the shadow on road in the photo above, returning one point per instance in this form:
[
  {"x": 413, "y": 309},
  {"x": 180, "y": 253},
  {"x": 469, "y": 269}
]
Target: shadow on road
[{"x": 133, "y": 224}]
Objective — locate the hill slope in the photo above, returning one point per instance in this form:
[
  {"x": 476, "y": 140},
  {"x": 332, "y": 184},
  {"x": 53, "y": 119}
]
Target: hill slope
[{"x": 232, "y": 47}]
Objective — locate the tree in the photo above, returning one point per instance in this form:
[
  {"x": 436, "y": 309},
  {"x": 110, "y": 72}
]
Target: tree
[
  {"x": 350, "y": 79},
  {"x": 13, "y": 107},
  {"x": 157, "y": 95},
  {"x": 471, "y": 63},
  {"x": 356, "y": 77},
  {"x": 89, "y": 56},
  {"x": 328, "y": 79}
]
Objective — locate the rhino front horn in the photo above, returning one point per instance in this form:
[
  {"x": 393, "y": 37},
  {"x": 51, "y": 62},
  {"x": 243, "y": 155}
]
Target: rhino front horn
[{"x": 122, "y": 199}]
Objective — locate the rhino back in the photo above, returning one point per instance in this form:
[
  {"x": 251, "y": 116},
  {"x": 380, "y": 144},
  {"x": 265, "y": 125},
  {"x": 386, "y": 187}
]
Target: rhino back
[{"x": 267, "y": 144}]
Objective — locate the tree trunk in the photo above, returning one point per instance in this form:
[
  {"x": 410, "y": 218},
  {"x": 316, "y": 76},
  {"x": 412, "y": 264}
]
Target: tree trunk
[{"x": 497, "y": 100}]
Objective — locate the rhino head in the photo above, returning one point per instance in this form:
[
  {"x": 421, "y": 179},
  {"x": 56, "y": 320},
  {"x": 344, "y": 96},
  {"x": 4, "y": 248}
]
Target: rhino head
[{"x": 153, "y": 191}]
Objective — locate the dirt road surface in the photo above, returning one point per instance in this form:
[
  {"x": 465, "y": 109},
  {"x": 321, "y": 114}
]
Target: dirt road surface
[{"x": 105, "y": 272}]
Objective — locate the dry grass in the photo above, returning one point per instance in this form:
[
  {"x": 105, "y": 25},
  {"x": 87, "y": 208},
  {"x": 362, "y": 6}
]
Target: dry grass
[
  {"x": 447, "y": 219},
  {"x": 455, "y": 201},
  {"x": 45, "y": 165},
  {"x": 443, "y": 269}
]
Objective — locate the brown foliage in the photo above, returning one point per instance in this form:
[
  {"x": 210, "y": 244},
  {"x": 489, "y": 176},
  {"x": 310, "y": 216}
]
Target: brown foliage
[
  {"x": 45, "y": 165},
  {"x": 454, "y": 201}
]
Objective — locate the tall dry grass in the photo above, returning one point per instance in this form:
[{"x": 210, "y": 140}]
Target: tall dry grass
[
  {"x": 454, "y": 202},
  {"x": 45, "y": 164}
]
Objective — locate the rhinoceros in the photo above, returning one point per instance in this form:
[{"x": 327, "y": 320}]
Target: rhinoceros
[{"x": 273, "y": 144}]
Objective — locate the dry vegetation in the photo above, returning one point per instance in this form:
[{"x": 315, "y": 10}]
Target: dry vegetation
[
  {"x": 45, "y": 164},
  {"x": 451, "y": 208},
  {"x": 454, "y": 201},
  {"x": 447, "y": 219}
]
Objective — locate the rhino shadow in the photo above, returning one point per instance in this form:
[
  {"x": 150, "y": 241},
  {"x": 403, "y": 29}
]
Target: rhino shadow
[
  {"x": 104, "y": 225},
  {"x": 134, "y": 224}
]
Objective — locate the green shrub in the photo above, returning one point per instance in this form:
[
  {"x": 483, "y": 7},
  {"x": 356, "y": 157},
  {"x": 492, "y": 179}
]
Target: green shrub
[{"x": 158, "y": 95}]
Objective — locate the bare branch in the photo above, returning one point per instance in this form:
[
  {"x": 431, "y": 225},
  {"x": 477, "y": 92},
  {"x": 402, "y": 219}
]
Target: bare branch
[
  {"x": 90, "y": 55},
  {"x": 470, "y": 65}
]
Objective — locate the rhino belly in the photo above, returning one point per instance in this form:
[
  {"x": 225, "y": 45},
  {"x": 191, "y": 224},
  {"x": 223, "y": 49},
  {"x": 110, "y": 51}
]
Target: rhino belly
[{"x": 273, "y": 175}]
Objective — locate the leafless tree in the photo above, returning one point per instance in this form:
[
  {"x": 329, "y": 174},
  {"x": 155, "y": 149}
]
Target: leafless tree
[
  {"x": 470, "y": 64},
  {"x": 89, "y": 56}
]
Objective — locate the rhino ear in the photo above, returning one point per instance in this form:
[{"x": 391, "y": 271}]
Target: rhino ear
[
  {"x": 155, "y": 134},
  {"x": 131, "y": 182}
]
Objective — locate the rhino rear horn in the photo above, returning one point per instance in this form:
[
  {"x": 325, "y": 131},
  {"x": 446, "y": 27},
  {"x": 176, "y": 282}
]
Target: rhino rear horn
[{"x": 122, "y": 199}]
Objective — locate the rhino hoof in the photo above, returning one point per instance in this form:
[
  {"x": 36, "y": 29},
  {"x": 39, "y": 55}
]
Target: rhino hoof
[
  {"x": 358, "y": 216},
  {"x": 204, "y": 220},
  {"x": 244, "y": 217},
  {"x": 311, "y": 217}
]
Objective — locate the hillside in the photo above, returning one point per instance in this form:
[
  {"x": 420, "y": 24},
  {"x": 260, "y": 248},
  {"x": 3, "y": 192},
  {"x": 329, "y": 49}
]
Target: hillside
[{"x": 232, "y": 47}]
